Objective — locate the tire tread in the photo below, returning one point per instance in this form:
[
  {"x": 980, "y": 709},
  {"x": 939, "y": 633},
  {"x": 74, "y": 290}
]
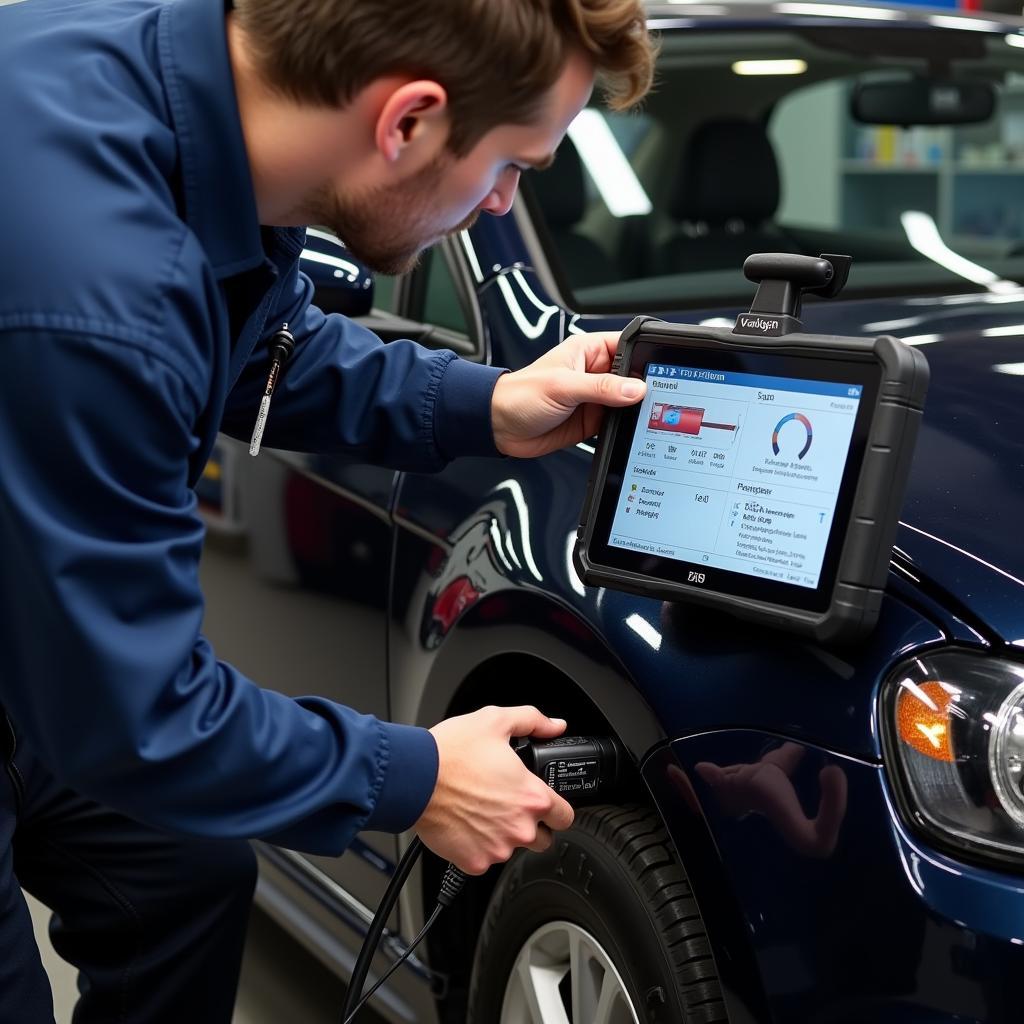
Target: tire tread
[
  {"x": 638, "y": 837},
  {"x": 635, "y": 835}
]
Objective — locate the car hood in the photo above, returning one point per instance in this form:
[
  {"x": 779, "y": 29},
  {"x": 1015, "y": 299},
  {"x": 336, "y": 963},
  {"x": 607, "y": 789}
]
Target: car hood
[{"x": 963, "y": 517}]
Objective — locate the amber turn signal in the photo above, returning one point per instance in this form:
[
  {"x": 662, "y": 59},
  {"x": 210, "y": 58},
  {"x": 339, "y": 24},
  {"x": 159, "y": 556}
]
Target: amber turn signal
[{"x": 923, "y": 718}]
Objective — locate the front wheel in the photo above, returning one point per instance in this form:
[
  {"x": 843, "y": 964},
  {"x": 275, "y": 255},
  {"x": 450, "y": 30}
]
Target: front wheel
[{"x": 600, "y": 929}]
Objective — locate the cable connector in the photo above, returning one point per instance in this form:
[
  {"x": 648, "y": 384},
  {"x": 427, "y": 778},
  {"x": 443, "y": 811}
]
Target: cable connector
[{"x": 451, "y": 885}]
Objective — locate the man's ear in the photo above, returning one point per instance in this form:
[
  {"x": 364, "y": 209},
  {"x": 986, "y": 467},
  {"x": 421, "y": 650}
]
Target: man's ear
[{"x": 413, "y": 122}]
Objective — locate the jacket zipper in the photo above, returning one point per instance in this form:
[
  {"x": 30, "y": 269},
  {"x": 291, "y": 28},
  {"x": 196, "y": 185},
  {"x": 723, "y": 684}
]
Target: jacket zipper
[{"x": 12, "y": 769}]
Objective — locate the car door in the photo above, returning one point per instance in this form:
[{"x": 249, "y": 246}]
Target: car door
[{"x": 296, "y": 571}]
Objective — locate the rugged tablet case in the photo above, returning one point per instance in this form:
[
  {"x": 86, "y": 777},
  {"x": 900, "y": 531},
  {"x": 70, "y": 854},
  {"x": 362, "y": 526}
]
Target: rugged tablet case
[{"x": 864, "y": 560}]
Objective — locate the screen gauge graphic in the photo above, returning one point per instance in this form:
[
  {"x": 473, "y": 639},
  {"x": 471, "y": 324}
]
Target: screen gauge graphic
[{"x": 799, "y": 417}]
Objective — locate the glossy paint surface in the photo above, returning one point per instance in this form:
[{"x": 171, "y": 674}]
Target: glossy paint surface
[{"x": 847, "y": 917}]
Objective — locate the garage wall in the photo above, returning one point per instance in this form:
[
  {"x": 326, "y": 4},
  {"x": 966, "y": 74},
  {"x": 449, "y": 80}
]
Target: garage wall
[{"x": 809, "y": 159}]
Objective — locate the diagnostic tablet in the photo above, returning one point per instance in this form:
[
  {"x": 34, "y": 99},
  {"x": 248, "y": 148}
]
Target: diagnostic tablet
[{"x": 762, "y": 475}]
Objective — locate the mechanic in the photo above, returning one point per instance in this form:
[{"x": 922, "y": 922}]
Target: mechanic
[{"x": 159, "y": 157}]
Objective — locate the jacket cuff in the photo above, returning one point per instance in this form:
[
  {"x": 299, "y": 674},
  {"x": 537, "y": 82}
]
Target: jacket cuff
[
  {"x": 462, "y": 414},
  {"x": 409, "y": 778}
]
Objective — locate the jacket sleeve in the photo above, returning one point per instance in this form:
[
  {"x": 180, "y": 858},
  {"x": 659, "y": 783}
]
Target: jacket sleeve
[
  {"x": 104, "y": 666},
  {"x": 344, "y": 391}
]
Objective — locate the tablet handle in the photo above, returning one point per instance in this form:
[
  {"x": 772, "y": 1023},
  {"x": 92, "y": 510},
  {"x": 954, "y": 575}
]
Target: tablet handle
[{"x": 782, "y": 281}]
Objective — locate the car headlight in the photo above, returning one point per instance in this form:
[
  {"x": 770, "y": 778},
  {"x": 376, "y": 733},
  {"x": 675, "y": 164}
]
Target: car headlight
[{"x": 954, "y": 733}]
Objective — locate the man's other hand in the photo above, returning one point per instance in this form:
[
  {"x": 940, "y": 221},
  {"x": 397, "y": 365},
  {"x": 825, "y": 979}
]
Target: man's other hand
[
  {"x": 485, "y": 802},
  {"x": 559, "y": 399}
]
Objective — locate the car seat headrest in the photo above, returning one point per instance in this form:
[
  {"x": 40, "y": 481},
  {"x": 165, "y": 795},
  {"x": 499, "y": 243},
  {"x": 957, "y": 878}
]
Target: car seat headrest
[
  {"x": 559, "y": 188},
  {"x": 729, "y": 173}
]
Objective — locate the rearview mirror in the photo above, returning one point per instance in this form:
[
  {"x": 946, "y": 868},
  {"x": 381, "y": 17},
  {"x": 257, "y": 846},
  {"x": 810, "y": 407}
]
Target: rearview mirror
[
  {"x": 342, "y": 283},
  {"x": 923, "y": 101}
]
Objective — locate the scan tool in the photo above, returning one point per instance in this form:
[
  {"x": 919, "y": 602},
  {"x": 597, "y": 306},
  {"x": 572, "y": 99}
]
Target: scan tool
[{"x": 764, "y": 471}]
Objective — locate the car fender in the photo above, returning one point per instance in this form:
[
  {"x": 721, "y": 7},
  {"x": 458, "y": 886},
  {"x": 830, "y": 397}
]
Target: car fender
[{"x": 512, "y": 622}]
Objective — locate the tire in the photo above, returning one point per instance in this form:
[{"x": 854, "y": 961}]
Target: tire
[{"x": 610, "y": 887}]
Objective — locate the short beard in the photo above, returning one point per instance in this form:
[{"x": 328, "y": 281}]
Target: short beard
[{"x": 388, "y": 226}]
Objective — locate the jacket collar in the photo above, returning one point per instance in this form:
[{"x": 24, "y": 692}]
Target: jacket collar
[{"x": 220, "y": 205}]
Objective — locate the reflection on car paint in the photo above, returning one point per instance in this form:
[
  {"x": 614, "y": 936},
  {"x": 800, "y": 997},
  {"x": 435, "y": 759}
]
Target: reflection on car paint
[{"x": 766, "y": 788}]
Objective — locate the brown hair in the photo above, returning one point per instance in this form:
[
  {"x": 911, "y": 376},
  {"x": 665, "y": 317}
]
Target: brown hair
[{"x": 495, "y": 58}]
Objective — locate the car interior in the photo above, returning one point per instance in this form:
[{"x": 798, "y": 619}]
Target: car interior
[{"x": 735, "y": 163}]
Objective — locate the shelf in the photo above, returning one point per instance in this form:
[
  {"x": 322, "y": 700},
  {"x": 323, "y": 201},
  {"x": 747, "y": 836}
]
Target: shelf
[
  {"x": 869, "y": 167},
  {"x": 997, "y": 169}
]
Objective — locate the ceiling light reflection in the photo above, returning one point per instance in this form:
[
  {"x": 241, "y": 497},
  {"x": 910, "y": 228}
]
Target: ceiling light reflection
[
  {"x": 881, "y": 326},
  {"x": 644, "y": 630},
  {"x": 961, "y": 551},
  {"x": 342, "y": 268},
  {"x": 841, "y": 11},
  {"x": 516, "y": 310},
  {"x": 574, "y": 580},
  {"x": 972, "y": 299},
  {"x": 474, "y": 263},
  {"x": 327, "y": 236},
  {"x": 607, "y": 165},
  {"x": 515, "y": 489},
  {"x": 512, "y": 549},
  {"x": 499, "y": 548},
  {"x": 769, "y": 67},
  {"x": 697, "y": 7},
  {"x": 964, "y": 24},
  {"x": 923, "y": 234}
]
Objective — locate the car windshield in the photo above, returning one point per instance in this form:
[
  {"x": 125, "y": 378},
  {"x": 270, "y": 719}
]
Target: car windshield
[{"x": 748, "y": 144}]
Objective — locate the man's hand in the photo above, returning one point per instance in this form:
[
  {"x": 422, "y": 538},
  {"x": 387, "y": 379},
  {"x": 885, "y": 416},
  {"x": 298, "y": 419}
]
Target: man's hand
[
  {"x": 485, "y": 802},
  {"x": 558, "y": 399}
]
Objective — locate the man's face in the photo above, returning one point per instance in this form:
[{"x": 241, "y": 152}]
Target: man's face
[{"x": 388, "y": 226}]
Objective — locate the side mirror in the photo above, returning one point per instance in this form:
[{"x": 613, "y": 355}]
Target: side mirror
[
  {"x": 923, "y": 101},
  {"x": 342, "y": 283}
]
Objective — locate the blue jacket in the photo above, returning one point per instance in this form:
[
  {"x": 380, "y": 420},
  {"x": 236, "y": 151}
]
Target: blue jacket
[{"x": 138, "y": 293}]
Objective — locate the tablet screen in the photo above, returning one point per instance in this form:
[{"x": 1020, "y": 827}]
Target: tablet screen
[{"x": 735, "y": 470}]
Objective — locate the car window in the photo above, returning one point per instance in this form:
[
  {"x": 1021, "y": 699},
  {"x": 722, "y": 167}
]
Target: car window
[
  {"x": 967, "y": 179},
  {"x": 384, "y": 292},
  {"x": 660, "y": 210},
  {"x": 442, "y": 306}
]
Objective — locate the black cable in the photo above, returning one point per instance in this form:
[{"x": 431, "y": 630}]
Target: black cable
[
  {"x": 451, "y": 885},
  {"x": 373, "y": 934},
  {"x": 394, "y": 967},
  {"x": 601, "y": 757}
]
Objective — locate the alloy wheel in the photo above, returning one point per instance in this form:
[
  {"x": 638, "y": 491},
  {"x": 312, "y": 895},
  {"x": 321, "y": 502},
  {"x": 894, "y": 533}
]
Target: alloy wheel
[{"x": 563, "y": 975}]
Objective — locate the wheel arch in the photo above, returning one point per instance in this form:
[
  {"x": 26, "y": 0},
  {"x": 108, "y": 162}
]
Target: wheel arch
[
  {"x": 516, "y": 647},
  {"x": 544, "y": 633}
]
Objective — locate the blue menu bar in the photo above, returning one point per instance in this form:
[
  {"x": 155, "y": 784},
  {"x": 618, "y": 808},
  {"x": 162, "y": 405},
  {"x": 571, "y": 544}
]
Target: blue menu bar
[{"x": 753, "y": 380}]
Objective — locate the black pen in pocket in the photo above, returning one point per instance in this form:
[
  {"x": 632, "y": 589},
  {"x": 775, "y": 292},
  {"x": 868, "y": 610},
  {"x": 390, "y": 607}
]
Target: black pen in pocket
[{"x": 281, "y": 347}]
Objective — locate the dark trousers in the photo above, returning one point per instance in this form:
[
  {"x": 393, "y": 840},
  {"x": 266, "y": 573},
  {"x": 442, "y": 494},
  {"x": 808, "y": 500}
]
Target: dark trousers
[{"x": 154, "y": 923}]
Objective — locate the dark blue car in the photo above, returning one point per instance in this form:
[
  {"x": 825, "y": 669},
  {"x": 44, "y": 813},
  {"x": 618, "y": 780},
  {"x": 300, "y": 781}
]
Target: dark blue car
[{"x": 806, "y": 833}]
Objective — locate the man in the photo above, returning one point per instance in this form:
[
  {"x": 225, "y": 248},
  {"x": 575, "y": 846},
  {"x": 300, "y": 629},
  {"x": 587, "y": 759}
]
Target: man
[{"x": 144, "y": 145}]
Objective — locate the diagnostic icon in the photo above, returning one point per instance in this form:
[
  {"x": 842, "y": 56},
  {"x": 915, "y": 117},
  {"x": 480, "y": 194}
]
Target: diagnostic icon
[{"x": 799, "y": 417}]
